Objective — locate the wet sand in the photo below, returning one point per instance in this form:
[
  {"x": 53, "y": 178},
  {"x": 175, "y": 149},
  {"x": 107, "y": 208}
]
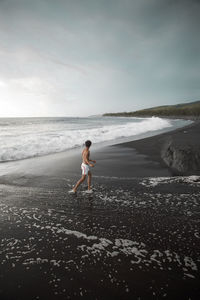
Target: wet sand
[
  {"x": 152, "y": 147},
  {"x": 136, "y": 237}
]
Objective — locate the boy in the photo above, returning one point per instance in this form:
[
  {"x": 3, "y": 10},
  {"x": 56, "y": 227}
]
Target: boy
[{"x": 85, "y": 168}]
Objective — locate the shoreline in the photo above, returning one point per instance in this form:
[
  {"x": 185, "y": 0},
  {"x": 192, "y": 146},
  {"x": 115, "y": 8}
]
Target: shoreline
[
  {"x": 127, "y": 159},
  {"x": 183, "y": 138},
  {"x": 106, "y": 143}
]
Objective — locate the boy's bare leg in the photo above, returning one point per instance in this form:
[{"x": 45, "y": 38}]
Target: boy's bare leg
[
  {"x": 79, "y": 182},
  {"x": 89, "y": 180}
]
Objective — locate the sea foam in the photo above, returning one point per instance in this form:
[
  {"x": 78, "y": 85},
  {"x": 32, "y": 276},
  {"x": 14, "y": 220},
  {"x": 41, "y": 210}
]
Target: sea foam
[{"x": 23, "y": 140}]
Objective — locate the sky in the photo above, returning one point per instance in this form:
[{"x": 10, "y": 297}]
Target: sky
[{"x": 88, "y": 57}]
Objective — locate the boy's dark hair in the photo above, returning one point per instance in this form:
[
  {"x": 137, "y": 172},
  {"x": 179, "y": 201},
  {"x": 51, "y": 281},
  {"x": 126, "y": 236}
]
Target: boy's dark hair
[{"x": 88, "y": 143}]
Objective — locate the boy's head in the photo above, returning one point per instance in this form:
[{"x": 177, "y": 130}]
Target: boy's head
[{"x": 88, "y": 143}]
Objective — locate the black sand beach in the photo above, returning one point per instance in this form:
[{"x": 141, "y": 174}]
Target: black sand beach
[{"x": 136, "y": 237}]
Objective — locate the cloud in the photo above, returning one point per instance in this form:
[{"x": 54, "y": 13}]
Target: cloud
[{"x": 87, "y": 57}]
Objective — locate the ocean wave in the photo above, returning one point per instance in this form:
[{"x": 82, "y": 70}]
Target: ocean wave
[{"x": 38, "y": 141}]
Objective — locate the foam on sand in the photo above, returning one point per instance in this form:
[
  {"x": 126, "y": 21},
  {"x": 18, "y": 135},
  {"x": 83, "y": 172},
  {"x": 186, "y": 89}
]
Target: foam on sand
[{"x": 154, "y": 181}]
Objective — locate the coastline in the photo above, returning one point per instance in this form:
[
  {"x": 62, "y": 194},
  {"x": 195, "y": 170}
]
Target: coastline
[
  {"x": 136, "y": 237},
  {"x": 192, "y": 117},
  {"x": 137, "y": 158}
]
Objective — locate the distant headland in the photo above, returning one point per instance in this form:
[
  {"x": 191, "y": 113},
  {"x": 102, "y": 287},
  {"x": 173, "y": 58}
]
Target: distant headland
[{"x": 184, "y": 110}]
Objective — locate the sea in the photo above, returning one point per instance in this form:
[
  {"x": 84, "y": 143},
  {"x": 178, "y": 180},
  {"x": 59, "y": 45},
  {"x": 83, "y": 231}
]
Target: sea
[{"x": 22, "y": 138}]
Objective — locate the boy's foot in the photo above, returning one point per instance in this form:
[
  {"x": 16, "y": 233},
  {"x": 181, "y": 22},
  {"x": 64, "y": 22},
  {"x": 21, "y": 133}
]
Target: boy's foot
[
  {"x": 89, "y": 191},
  {"x": 72, "y": 192}
]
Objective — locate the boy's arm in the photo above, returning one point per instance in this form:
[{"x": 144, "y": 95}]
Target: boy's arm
[
  {"x": 94, "y": 161},
  {"x": 88, "y": 159}
]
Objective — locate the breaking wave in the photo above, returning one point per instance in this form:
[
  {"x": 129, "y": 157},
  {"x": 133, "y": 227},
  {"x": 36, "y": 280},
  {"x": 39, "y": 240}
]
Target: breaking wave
[{"x": 26, "y": 139}]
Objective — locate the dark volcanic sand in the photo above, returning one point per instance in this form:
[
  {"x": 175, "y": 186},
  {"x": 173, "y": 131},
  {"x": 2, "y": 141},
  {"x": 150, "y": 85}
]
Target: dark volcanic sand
[
  {"x": 185, "y": 137},
  {"x": 133, "y": 238}
]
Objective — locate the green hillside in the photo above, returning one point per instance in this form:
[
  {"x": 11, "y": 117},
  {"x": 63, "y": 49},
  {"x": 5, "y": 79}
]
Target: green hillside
[{"x": 182, "y": 110}]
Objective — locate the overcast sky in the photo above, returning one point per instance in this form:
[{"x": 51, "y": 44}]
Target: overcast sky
[{"x": 84, "y": 57}]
